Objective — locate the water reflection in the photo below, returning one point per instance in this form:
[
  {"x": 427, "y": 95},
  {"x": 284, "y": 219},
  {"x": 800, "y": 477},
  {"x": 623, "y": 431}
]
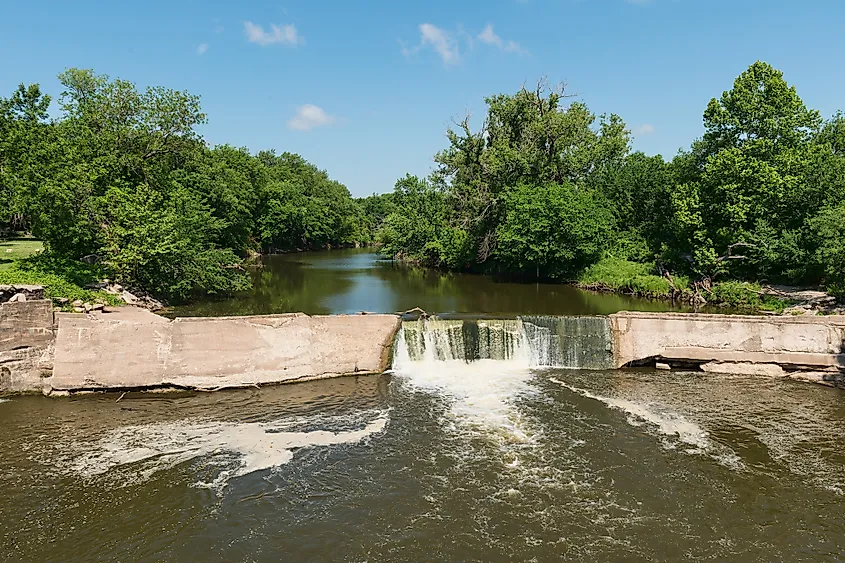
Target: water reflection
[{"x": 348, "y": 281}]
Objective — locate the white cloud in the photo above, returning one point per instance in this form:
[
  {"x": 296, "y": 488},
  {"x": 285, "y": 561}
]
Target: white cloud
[
  {"x": 439, "y": 40},
  {"x": 489, "y": 37},
  {"x": 308, "y": 117},
  {"x": 281, "y": 34},
  {"x": 644, "y": 129},
  {"x": 202, "y": 48}
]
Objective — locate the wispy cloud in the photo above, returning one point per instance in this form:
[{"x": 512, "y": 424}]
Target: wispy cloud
[
  {"x": 644, "y": 129},
  {"x": 438, "y": 39},
  {"x": 310, "y": 116},
  {"x": 277, "y": 34},
  {"x": 202, "y": 48},
  {"x": 489, "y": 37}
]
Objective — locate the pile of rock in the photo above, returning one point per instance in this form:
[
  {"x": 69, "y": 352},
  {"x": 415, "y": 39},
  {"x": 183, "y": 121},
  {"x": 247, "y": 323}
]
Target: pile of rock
[
  {"x": 20, "y": 293},
  {"x": 80, "y": 306},
  {"x": 805, "y": 301},
  {"x": 136, "y": 299}
]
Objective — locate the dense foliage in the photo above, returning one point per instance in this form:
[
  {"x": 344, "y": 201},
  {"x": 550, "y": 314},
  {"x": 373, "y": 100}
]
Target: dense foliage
[
  {"x": 122, "y": 178},
  {"x": 547, "y": 190}
]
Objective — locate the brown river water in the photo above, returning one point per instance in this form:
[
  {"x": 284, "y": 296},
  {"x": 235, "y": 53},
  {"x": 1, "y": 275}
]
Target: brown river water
[{"x": 438, "y": 460}]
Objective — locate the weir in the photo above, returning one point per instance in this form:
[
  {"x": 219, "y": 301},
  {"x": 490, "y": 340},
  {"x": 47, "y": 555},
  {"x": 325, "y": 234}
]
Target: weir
[
  {"x": 129, "y": 348},
  {"x": 535, "y": 341}
]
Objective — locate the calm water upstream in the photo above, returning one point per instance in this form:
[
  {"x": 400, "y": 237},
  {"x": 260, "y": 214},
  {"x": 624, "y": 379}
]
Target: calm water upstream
[
  {"x": 439, "y": 460},
  {"x": 348, "y": 281}
]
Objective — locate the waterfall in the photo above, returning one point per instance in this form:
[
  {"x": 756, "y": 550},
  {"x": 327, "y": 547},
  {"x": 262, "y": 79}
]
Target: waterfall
[
  {"x": 467, "y": 340},
  {"x": 563, "y": 342},
  {"x": 570, "y": 342}
]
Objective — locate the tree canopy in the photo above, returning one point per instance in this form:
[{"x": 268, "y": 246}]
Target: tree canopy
[
  {"x": 545, "y": 189},
  {"x": 121, "y": 177}
]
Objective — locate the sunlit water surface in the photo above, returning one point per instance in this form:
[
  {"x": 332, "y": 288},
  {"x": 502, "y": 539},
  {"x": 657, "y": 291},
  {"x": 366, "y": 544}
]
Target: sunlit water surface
[
  {"x": 353, "y": 280},
  {"x": 471, "y": 462}
]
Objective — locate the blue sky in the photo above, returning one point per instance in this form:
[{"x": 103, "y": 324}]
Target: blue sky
[{"x": 367, "y": 89}]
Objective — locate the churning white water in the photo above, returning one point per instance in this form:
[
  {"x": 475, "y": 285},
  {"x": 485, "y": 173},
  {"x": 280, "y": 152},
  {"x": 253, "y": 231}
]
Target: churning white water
[{"x": 480, "y": 392}]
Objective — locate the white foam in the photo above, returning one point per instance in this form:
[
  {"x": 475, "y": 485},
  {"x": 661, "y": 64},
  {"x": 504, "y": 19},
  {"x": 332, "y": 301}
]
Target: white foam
[
  {"x": 480, "y": 393},
  {"x": 665, "y": 422},
  {"x": 4, "y": 400},
  {"x": 242, "y": 448}
]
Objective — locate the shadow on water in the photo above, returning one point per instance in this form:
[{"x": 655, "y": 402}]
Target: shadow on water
[{"x": 352, "y": 280}]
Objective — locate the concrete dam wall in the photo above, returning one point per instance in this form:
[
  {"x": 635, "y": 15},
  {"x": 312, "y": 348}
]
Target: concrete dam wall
[
  {"x": 808, "y": 346},
  {"x": 132, "y": 348}
]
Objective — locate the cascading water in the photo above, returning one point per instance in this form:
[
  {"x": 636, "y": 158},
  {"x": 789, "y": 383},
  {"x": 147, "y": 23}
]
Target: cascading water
[
  {"x": 467, "y": 340},
  {"x": 484, "y": 365},
  {"x": 538, "y": 341}
]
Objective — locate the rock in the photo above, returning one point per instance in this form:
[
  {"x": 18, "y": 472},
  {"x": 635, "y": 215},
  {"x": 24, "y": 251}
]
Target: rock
[
  {"x": 88, "y": 307},
  {"x": 145, "y": 302},
  {"x": 129, "y": 298},
  {"x": 97, "y": 307},
  {"x": 77, "y": 303},
  {"x": 18, "y": 298},
  {"x": 78, "y": 310},
  {"x": 62, "y": 300},
  {"x": 819, "y": 377},
  {"x": 744, "y": 368},
  {"x": 661, "y": 365}
]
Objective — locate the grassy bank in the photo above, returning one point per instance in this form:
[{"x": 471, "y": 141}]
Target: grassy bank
[
  {"x": 16, "y": 248},
  {"x": 22, "y": 263},
  {"x": 634, "y": 278}
]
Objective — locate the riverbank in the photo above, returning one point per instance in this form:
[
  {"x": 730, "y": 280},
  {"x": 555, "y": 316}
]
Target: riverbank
[{"x": 612, "y": 275}]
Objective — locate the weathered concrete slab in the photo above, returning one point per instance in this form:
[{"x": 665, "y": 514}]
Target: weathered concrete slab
[
  {"x": 238, "y": 351},
  {"x": 144, "y": 350},
  {"x": 26, "y": 344},
  {"x": 806, "y": 341},
  {"x": 128, "y": 348},
  {"x": 28, "y": 323}
]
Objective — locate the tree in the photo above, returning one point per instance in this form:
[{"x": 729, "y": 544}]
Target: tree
[
  {"x": 23, "y": 126},
  {"x": 745, "y": 187},
  {"x": 553, "y": 231},
  {"x": 528, "y": 139}
]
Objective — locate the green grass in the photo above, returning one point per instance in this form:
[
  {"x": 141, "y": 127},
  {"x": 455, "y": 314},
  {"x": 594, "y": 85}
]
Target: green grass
[
  {"x": 56, "y": 287},
  {"x": 22, "y": 263},
  {"x": 744, "y": 295},
  {"x": 16, "y": 248},
  {"x": 633, "y": 278}
]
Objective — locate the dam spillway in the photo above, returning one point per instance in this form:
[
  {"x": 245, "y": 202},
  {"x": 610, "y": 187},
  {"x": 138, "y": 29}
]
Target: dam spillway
[{"x": 535, "y": 341}]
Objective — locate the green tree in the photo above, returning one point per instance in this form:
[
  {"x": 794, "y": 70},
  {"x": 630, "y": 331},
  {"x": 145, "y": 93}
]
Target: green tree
[
  {"x": 743, "y": 189},
  {"x": 23, "y": 128},
  {"x": 554, "y": 230}
]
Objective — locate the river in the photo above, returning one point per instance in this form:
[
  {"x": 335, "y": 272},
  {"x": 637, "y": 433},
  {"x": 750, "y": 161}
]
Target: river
[
  {"x": 438, "y": 460},
  {"x": 353, "y": 280}
]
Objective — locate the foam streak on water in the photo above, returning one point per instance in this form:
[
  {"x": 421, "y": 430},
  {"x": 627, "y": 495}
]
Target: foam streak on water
[
  {"x": 242, "y": 448},
  {"x": 666, "y": 422}
]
